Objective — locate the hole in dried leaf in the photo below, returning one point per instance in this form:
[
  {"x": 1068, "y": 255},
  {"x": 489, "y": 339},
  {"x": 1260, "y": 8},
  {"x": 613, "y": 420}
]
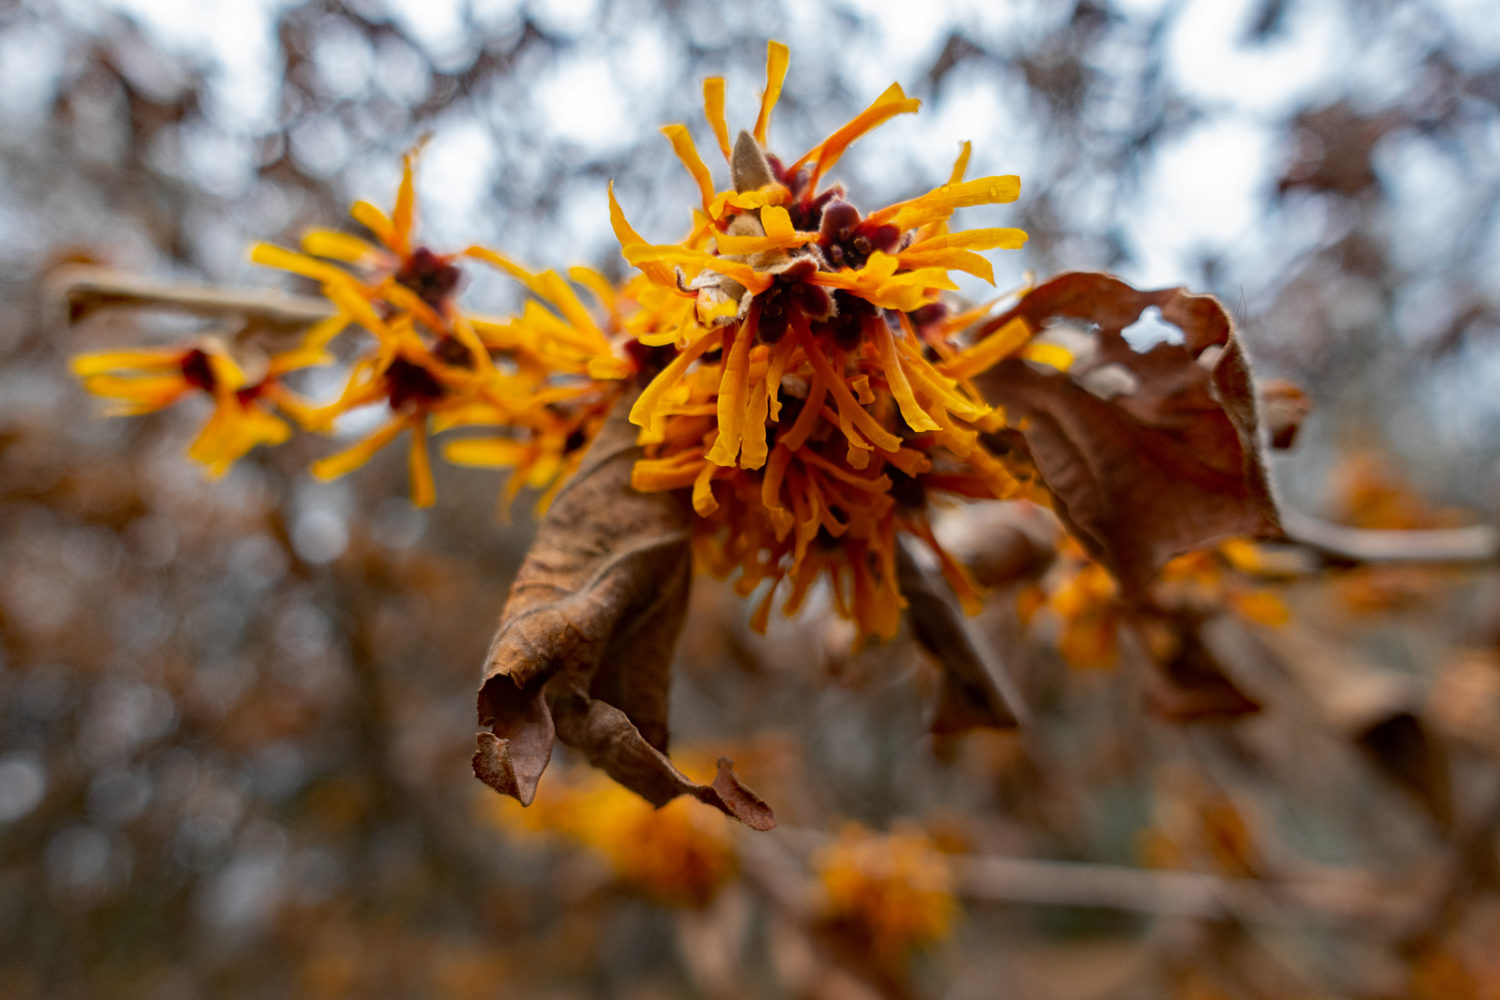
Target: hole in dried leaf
[{"x": 1150, "y": 330}]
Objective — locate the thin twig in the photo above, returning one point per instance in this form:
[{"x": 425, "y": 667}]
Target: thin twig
[
  {"x": 1476, "y": 544},
  {"x": 1175, "y": 894},
  {"x": 1352, "y": 903},
  {"x": 87, "y": 289}
]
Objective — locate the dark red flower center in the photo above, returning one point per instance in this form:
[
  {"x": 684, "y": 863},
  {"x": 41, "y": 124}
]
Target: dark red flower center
[
  {"x": 430, "y": 276},
  {"x": 847, "y": 241},
  {"x": 791, "y": 291},
  {"x": 411, "y": 383},
  {"x": 197, "y": 371}
]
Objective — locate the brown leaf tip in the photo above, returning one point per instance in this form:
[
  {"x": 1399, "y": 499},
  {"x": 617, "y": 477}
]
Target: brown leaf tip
[
  {"x": 739, "y": 801},
  {"x": 494, "y": 766}
]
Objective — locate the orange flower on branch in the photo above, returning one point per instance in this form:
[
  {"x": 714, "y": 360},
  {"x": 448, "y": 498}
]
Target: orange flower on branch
[
  {"x": 816, "y": 368},
  {"x": 892, "y": 893},
  {"x": 391, "y": 277},
  {"x": 676, "y": 855},
  {"x": 145, "y": 380},
  {"x": 545, "y": 379}
]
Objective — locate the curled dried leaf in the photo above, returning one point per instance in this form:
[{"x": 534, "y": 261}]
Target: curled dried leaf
[
  {"x": 975, "y": 691},
  {"x": 584, "y": 648},
  {"x": 610, "y": 742},
  {"x": 1168, "y": 458}
]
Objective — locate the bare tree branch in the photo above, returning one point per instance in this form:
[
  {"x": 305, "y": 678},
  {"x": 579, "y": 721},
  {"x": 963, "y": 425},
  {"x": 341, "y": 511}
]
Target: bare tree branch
[
  {"x": 1478, "y": 543},
  {"x": 84, "y": 290}
]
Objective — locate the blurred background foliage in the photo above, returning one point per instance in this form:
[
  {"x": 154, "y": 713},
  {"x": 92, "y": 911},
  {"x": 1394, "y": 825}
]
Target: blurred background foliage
[{"x": 235, "y": 718}]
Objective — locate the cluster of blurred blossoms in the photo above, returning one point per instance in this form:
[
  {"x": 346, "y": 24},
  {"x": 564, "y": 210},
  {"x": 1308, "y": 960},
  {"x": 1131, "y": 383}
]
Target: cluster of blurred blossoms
[
  {"x": 1079, "y": 603},
  {"x": 792, "y": 364},
  {"x": 891, "y": 894}
]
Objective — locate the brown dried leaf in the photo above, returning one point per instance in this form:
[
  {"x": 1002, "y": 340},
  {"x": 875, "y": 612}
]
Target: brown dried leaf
[
  {"x": 584, "y": 648},
  {"x": 975, "y": 691},
  {"x": 1172, "y": 464},
  {"x": 609, "y": 741},
  {"x": 1194, "y": 683},
  {"x": 1406, "y": 752}
]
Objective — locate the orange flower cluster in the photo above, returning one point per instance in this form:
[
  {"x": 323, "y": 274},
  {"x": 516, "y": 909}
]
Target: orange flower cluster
[
  {"x": 545, "y": 378},
  {"x": 892, "y": 891},
  {"x": 800, "y": 375},
  {"x": 245, "y": 405},
  {"x": 1080, "y": 602},
  {"x": 677, "y": 855},
  {"x": 819, "y": 395}
]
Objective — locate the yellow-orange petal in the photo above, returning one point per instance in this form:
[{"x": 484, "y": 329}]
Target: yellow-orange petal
[
  {"x": 232, "y": 431},
  {"x": 895, "y": 376},
  {"x": 713, "y": 110},
  {"x": 227, "y": 375},
  {"x": 1051, "y": 355},
  {"x": 335, "y": 245},
  {"x": 358, "y": 309},
  {"x": 703, "y": 495},
  {"x": 753, "y": 445},
  {"x": 687, "y": 152},
  {"x": 880, "y": 484},
  {"x": 941, "y": 202},
  {"x": 778, "y": 56},
  {"x": 404, "y": 214},
  {"x": 643, "y": 254},
  {"x": 269, "y": 255},
  {"x": 780, "y": 234},
  {"x": 776, "y": 363},
  {"x": 609, "y": 368},
  {"x": 879, "y": 284},
  {"x": 486, "y": 453},
  {"x": 961, "y": 165},
  {"x": 350, "y": 459},
  {"x": 548, "y": 286},
  {"x": 145, "y": 359},
  {"x": 317, "y": 338},
  {"x": 405, "y": 299},
  {"x": 734, "y": 387},
  {"x": 377, "y": 222},
  {"x": 1001, "y": 482},
  {"x": 745, "y": 245},
  {"x": 951, "y": 260},
  {"x": 746, "y": 201},
  {"x": 761, "y": 618},
  {"x": 770, "y": 484},
  {"x": 599, "y": 286},
  {"x": 958, "y": 577},
  {"x": 808, "y": 419},
  {"x": 993, "y": 348},
  {"x": 627, "y": 236},
  {"x": 645, "y": 413},
  {"x": 419, "y": 462},
  {"x": 848, "y": 407},
  {"x": 885, "y": 107},
  {"x": 951, "y": 250},
  {"x": 134, "y": 395},
  {"x": 675, "y": 472},
  {"x": 971, "y": 239}
]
